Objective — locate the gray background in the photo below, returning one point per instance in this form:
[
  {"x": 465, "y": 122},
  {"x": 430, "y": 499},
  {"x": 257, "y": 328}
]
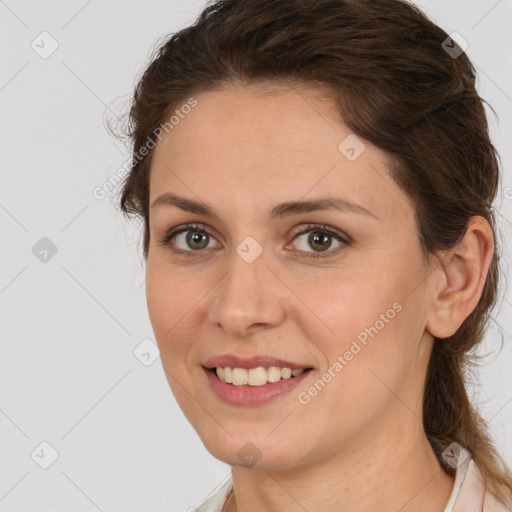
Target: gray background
[{"x": 70, "y": 324}]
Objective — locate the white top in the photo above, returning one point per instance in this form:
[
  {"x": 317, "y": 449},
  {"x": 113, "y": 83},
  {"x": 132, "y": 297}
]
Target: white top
[{"x": 467, "y": 494}]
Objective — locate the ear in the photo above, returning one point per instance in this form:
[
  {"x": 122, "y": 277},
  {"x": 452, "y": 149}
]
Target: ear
[{"x": 459, "y": 283}]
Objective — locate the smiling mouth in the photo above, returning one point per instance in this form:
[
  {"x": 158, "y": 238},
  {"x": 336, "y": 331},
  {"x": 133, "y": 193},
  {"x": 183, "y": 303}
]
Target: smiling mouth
[{"x": 255, "y": 376}]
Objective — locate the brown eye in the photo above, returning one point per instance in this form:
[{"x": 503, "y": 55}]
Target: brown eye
[
  {"x": 188, "y": 239},
  {"x": 320, "y": 239},
  {"x": 196, "y": 239}
]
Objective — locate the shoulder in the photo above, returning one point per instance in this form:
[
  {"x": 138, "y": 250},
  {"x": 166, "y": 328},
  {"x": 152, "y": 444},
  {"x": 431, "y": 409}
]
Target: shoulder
[
  {"x": 491, "y": 504},
  {"x": 216, "y": 501},
  {"x": 473, "y": 495}
]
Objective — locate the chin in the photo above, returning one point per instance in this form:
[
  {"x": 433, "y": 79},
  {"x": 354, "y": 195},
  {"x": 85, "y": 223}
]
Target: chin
[{"x": 253, "y": 453}]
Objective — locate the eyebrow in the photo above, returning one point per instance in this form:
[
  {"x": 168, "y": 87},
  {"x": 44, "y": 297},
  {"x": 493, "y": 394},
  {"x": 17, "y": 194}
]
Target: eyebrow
[{"x": 279, "y": 211}]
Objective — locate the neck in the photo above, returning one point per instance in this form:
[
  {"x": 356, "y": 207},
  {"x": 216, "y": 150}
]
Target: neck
[{"x": 390, "y": 471}]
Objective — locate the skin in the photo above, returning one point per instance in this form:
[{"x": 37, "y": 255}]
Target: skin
[{"x": 358, "y": 444}]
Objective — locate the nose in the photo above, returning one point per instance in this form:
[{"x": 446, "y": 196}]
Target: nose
[{"x": 248, "y": 298}]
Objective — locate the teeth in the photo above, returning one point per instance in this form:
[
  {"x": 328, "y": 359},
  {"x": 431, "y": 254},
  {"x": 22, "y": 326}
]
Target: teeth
[
  {"x": 239, "y": 376},
  {"x": 255, "y": 376},
  {"x": 273, "y": 374}
]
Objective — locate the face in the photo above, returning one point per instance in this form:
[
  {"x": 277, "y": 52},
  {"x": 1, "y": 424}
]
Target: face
[{"x": 342, "y": 291}]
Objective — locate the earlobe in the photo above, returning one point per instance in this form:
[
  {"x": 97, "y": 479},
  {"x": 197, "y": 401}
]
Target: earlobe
[{"x": 459, "y": 283}]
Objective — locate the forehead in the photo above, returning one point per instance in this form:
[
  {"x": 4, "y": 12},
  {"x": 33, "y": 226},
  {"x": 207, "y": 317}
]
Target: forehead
[
  {"x": 249, "y": 116},
  {"x": 243, "y": 145}
]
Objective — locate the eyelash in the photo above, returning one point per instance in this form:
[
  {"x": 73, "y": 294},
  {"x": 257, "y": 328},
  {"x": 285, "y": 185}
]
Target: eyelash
[{"x": 320, "y": 228}]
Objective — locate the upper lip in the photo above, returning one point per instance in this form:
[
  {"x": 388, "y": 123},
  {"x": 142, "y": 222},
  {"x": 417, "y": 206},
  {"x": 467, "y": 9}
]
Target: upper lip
[{"x": 250, "y": 362}]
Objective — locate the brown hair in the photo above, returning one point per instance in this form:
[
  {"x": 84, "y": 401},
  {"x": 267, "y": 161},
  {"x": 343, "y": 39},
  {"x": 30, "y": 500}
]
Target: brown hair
[{"x": 396, "y": 85}]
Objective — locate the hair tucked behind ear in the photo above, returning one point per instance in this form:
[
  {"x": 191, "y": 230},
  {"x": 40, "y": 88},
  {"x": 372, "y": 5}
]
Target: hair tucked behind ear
[{"x": 395, "y": 86}]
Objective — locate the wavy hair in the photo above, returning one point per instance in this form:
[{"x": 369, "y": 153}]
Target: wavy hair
[{"x": 395, "y": 83}]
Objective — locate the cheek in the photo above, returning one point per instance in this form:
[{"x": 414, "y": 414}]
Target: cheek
[
  {"x": 378, "y": 325},
  {"x": 370, "y": 320},
  {"x": 368, "y": 365},
  {"x": 349, "y": 306},
  {"x": 170, "y": 303}
]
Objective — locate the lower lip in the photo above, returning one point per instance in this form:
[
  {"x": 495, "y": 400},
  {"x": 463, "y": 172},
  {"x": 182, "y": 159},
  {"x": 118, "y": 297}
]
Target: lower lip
[{"x": 253, "y": 395}]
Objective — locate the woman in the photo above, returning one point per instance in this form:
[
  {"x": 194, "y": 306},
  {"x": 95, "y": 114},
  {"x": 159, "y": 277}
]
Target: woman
[{"x": 316, "y": 181}]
